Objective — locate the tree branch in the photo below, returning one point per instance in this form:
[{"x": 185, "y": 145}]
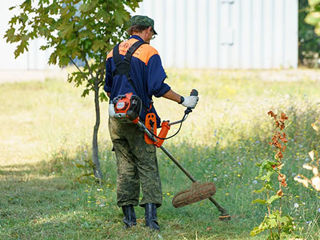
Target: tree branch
[
  {"x": 101, "y": 82},
  {"x": 76, "y": 66},
  {"x": 87, "y": 63}
]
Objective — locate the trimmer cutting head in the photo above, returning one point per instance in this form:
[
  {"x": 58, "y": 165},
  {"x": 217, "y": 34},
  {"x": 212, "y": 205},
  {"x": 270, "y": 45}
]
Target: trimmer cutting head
[{"x": 198, "y": 192}]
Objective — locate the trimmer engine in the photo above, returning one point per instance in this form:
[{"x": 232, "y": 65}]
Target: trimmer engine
[{"x": 127, "y": 106}]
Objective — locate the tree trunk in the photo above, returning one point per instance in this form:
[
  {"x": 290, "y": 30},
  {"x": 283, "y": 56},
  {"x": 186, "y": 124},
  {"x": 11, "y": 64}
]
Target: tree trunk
[{"x": 95, "y": 149}]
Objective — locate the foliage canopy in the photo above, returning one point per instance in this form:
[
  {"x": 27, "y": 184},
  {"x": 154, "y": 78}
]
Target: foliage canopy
[
  {"x": 77, "y": 31},
  {"x": 309, "y": 42}
]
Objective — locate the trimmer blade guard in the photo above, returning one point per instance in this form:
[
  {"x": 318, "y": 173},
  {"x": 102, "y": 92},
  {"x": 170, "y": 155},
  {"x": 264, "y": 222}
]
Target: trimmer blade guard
[{"x": 198, "y": 192}]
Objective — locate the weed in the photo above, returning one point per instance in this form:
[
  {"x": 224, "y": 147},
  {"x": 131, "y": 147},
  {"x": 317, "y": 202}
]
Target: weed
[{"x": 279, "y": 226}]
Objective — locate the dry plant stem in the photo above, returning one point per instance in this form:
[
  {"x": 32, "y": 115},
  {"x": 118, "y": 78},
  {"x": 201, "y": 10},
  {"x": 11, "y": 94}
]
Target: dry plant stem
[
  {"x": 280, "y": 211},
  {"x": 279, "y": 136},
  {"x": 280, "y": 207},
  {"x": 268, "y": 206}
]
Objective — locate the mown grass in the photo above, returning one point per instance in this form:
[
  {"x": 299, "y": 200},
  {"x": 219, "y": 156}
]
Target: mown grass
[{"x": 45, "y": 150}]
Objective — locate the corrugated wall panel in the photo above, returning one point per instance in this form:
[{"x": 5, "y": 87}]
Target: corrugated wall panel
[
  {"x": 190, "y": 35},
  {"x": 235, "y": 13},
  {"x": 278, "y": 35},
  {"x": 34, "y": 59},
  {"x": 268, "y": 35},
  {"x": 225, "y": 33},
  {"x": 245, "y": 38},
  {"x": 203, "y": 34},
  {"x": 202, "y": 37},
  {"x": 291, "y": 32},
  {"x": 212, "y": 33}
]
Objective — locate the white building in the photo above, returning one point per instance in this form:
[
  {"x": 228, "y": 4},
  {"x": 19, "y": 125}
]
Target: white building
[
  {"x": 222, "y": 34},
  {"x": 35, "y": 59}
]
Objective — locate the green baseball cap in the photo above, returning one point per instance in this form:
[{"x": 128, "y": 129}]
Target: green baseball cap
[{"x": 142, "y": 21}]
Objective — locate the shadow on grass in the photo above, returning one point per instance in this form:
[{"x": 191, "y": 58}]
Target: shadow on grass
[{"x": 56, "y": 199}]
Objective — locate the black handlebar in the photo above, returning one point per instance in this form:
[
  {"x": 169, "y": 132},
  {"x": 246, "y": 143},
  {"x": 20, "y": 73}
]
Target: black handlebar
[{"x": 194, "y": 92}]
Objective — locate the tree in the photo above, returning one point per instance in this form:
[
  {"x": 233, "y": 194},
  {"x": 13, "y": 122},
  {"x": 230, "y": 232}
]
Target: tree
[
  {"x": 75, "y": 29},
  {"x": 309, "y": 43},
  {"x": 313, "y": 17}
]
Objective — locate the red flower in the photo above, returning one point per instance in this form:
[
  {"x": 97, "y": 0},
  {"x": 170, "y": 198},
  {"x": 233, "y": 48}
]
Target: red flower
[
  {"x": 280, "y": 193},
  {"x": 283, "y": 117}
]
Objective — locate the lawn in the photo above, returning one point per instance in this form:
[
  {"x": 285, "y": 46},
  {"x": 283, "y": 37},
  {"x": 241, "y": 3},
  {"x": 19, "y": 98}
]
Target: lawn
[{"x": 47, "y": 191}]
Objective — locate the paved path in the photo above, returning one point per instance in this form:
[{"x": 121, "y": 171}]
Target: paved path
[{"x": 264, "y": 75}]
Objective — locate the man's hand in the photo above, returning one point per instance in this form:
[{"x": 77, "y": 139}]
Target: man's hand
[{"x": 190, "y": 101}]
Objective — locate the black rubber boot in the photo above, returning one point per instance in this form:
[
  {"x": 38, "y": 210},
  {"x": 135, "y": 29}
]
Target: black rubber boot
[
  {"x": 151, "y": 216},
  {"x": 129, "y": 216}
]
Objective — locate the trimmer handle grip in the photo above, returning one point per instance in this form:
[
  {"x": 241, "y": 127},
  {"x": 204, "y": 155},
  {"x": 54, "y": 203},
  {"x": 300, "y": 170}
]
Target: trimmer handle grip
[{"x": 194, "y": 92}]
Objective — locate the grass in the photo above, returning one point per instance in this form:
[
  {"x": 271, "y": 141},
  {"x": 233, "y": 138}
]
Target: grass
[{"x": 45, "y": 150}]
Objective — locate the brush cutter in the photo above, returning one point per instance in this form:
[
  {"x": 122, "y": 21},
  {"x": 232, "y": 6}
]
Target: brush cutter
[{"x": 128, "y": 106}]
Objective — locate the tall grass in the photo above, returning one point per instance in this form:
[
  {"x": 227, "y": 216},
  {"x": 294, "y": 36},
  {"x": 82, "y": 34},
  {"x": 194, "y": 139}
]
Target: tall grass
[{"x": 45, "y": 154}]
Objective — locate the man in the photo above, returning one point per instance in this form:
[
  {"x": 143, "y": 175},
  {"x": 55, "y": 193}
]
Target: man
[{"x": 136, "y": 161}]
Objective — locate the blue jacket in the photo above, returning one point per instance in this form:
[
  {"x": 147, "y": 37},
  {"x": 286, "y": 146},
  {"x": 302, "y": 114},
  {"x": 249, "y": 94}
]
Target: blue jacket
[{"x": 146, "y": 72}]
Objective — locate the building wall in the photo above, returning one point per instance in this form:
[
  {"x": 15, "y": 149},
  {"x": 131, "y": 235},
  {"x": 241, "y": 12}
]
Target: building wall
[
  {"x": 255, "y": 34},
  {"x": 35, "y": 59}
]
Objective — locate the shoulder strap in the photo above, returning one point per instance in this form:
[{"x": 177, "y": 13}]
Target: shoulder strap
[
  {"x": 123, "y": 66},
  {"x": 131, "y": 50},
  {"x": 116, "y": 56}
]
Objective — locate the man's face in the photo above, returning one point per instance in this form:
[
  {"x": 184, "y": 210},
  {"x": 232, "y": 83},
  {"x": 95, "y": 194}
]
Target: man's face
[{"x": 149, "y": 34}]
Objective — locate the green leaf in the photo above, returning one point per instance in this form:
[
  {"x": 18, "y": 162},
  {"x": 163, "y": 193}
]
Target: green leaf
[
  {"x": 85, "y": 93},
  {"x": 317, "y": 30},
  {"x": 23, "y": 46},
  {"x": 63, "y": 61},
  {"x": 266, "y": 187},
  {"x": 68, "y": 29},
  {"x": 98, "y": 45},
  {"x": 26, "y": 5},
  {"x": 313, "y": 18},
  {"x": 73, "y": 43},
  {"x": 260, "y": 201},
  {"x": 267, "y": 176},
  {"x": 260, "y": 190},
  {"x": 80, "y": 165},
  {"x": 285, "y": 220},
  {"x": 272, "y": 199},
  {"x": 10, "y": 35},
  {"x": 313, "y": 2},
  {"x": 256, "y": 231},
  {"x": 53, "y": 58},
  {"x": 23, "y": 18},
  {"x": 103, "y": 97}
]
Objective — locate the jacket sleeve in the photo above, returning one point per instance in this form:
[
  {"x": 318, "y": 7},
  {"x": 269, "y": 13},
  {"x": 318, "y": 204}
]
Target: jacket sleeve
[
  {"x": 108, "y": 81},
  {"x": 156, "y": 77}
]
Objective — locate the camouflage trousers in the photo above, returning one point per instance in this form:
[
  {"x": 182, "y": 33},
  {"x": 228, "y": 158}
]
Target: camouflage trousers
[{"x": 136, "y": 165}]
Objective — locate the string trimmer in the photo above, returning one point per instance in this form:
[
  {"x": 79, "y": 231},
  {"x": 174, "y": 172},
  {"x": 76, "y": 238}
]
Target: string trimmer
[{"x": 128, "y": 107}]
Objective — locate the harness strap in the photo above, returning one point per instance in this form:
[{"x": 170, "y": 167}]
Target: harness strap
[{"x": 123, "y": 65}]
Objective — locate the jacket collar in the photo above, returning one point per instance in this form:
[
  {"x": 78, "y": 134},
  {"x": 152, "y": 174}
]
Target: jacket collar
[{"x": 137, "y": 37}]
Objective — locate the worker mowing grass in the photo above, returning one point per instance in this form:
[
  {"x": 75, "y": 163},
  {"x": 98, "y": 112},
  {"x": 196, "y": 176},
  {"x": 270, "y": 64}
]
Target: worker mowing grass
[{"x": 134, "y": 74}]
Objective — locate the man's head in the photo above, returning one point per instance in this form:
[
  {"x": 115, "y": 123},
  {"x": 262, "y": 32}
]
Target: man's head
[{"x": 142, "y": 26}]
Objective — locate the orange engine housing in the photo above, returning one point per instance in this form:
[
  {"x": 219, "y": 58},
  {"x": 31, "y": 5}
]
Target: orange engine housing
[{"x": 123, "y": 104}]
